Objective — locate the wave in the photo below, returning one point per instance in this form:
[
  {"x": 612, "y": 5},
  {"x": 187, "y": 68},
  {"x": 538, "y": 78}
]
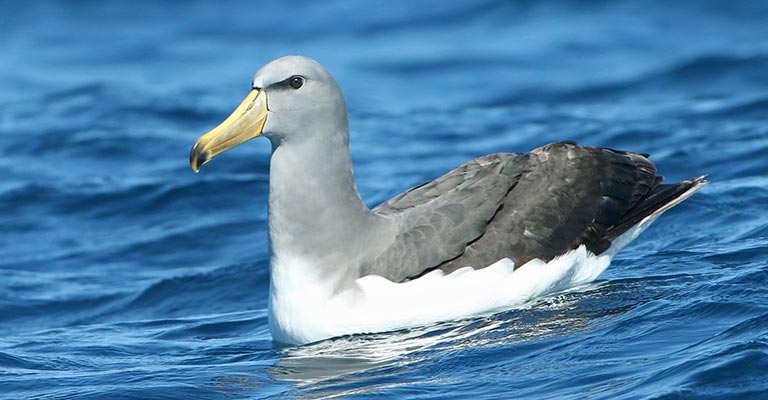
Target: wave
[
  {"x": 690, "y": 78},
  {"x": 43, "y": 314},
  {"x": 226, "y": 289}
]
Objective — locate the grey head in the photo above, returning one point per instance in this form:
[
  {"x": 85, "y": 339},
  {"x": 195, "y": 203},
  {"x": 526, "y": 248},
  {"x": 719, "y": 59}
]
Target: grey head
[
  {"x": 303, "y": 100},
  {"x": 293, "y": 100}
]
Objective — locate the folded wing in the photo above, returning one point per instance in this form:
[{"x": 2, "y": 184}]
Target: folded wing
[{"x": 520, "y": 206}]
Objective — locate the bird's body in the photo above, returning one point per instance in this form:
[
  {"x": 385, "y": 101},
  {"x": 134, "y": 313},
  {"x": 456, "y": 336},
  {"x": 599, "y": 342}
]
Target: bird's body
[{"x": 524, "y": 224}]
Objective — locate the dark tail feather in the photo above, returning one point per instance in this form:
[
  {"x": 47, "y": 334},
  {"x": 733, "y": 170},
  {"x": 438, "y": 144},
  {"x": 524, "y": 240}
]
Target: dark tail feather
[{"x": 659, "y": 199}]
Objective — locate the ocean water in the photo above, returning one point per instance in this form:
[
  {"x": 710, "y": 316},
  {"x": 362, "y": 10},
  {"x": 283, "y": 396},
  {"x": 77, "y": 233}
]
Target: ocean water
[{"x": 123, "y": 275}]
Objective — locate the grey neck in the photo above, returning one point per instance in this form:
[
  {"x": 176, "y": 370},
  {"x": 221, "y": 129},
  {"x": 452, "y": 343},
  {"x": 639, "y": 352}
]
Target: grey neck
[{"x": 315, "y": 211}]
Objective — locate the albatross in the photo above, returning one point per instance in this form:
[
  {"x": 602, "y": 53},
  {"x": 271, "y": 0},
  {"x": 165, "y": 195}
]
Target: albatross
[{"x": 489, "y": 235}]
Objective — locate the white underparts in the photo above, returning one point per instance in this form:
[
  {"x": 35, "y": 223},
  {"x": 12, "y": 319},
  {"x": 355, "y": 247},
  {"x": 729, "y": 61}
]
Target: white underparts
[{"x": 303, "y": 312}]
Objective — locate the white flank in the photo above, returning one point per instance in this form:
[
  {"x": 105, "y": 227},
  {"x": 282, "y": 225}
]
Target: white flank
[{"x": 310, "y": 312}]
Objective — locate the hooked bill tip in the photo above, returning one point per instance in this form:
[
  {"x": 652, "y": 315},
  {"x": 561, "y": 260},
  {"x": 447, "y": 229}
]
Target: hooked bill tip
[{"x": 197, "y": 157}]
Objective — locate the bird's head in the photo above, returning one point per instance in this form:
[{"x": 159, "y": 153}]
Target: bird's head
[{"x": 292, "y": 99}]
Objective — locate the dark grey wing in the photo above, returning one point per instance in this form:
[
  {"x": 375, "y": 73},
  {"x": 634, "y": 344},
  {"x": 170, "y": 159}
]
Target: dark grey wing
[
  {"x": 439, "y": 219},
  {"x": 571, "y": 196},
  {"x": 521, "y": 206}
]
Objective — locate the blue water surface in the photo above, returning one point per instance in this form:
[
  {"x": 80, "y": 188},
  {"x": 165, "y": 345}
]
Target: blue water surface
[{"x": 123, "y": 275}]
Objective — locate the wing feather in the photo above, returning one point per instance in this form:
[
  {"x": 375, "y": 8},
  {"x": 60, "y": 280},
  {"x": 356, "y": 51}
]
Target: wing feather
[
  {"x": 521, "y": 206},
  {"x": 438, "y": 219}
]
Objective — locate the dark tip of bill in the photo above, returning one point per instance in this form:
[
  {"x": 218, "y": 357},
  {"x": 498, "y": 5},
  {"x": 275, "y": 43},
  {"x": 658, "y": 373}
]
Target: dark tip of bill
[{"x": 197, "y": 157}]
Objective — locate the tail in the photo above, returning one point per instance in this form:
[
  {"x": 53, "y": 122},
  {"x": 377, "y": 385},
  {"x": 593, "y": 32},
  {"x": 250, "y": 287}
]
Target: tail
[{"x": 655, "y": 203}]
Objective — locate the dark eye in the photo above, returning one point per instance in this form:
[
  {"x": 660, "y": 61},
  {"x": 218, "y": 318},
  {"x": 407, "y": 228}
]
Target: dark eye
[{"x": 296, "y": 82}]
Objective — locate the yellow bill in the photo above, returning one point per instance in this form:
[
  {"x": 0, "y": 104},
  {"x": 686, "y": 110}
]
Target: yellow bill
[{"x": 245, "y": 123}]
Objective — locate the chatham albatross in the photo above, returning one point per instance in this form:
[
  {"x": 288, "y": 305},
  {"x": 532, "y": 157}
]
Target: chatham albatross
[{"x": 489, "y": 235}]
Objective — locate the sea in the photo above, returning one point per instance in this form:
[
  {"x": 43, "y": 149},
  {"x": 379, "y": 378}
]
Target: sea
[{"x": 124, "y": 275}]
